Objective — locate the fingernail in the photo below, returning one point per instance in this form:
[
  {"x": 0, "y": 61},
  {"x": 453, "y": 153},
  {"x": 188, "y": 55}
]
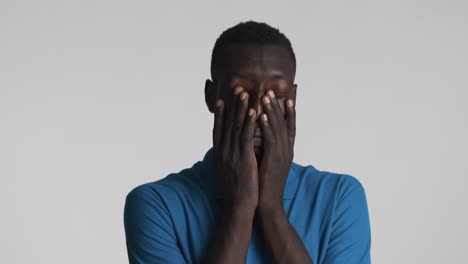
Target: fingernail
[
  {"x": 271, "y": 93},
  {"x": 243, "y": 96},
  {"x": 264, "y": 116},
  {"x": 251, "y": 112},
  {"x": 219, "y": 102},
  {"x": 290, "y": 103},
  {"x": 266, "y": 99},
  {"x": 238, "y": 90}
]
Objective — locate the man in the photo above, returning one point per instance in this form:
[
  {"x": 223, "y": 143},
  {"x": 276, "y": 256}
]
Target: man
[{"x": 247, "y": 201}]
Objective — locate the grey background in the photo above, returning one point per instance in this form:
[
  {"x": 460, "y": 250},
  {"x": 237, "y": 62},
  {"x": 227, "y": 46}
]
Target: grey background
[{"x": 96, "y": 98}]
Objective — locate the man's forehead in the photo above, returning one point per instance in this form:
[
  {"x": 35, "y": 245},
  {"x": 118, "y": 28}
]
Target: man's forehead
[{"x": 244, "y": 60}]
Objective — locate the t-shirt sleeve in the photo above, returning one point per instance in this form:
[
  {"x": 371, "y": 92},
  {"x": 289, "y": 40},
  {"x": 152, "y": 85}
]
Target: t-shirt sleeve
[
  {"x": 350, "y": 239},
  {"x": 149, "y": 231}
]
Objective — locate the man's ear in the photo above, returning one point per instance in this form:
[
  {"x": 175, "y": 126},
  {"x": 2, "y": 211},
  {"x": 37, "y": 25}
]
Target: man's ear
[
  {"x": 210, "y": 95},
  {"x": 294, "y": 93}
]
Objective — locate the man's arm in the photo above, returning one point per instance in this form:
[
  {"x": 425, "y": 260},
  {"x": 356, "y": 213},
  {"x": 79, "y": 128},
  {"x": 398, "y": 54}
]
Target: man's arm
[
  {"x": 350, "y": 237},
  {"x": 149, "y": 232},
  {"x": 232, "y": 237},
  {"x": 279, "y": 130},
  {"x": 236, "y": 171},
  {"x": 281, "y": 238}
]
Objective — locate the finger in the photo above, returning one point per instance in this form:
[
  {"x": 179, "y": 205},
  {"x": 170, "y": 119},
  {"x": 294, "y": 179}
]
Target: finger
[
  {"x": 291, "y": 120},
  {"x": 237, "y": 127},
  {"x": 248, "y": 131},
  {"x": 271, "y": 113},
  {"x": 278, "y": 119},
  {"x": 229, "y": 121},
  {"x": 218, "y": 124},
  {"x": 268, "y": 137}
]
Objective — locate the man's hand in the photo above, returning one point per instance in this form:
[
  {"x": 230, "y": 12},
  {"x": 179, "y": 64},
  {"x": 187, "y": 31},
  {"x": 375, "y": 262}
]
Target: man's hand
[
  {"x": 237, "y": 172},
  {"x": 234, "y": 156},
  {"x": 279, "y": 131}
]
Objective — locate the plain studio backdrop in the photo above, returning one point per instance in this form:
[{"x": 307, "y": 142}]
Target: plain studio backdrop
[{"x": 97, "y": 97}]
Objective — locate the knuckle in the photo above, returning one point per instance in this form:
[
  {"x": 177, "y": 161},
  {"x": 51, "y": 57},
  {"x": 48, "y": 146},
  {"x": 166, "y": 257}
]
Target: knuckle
[
  {"x": 229, "y": 123},
  {"x": 236, "y": 125}
]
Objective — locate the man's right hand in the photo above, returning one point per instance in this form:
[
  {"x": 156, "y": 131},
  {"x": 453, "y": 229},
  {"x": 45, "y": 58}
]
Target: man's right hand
[
  {"x": 234, "y": 156},
  {"x": 237, "y": 176}
]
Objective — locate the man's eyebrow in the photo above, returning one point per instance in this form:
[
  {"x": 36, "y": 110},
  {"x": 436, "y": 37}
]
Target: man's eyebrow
[{"x": 279, "y": 76}]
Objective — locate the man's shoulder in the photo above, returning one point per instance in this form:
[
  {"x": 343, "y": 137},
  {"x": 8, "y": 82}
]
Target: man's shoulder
[
  {"x": 179, "y": 184},
  {"x": 312, "y": 177}
]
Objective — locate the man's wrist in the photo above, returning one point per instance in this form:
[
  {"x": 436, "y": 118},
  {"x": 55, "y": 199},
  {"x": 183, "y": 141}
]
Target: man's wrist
[
  {"x": 233, "y": 212},
  {"x": 270, "y": 210}
]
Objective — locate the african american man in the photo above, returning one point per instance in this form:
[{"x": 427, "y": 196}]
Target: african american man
[{"x": 247, "y": 201}]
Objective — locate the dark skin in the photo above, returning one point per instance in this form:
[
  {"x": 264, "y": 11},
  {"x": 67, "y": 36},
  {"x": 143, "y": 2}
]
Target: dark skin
[{"x": 254, "y": 95}]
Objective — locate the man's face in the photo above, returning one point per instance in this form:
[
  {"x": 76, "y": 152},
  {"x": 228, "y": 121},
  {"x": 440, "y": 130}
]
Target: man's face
[{"x": 257, "y": 68}]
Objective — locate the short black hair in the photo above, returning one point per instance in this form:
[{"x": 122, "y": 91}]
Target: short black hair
[{"x": 248, "y": 32}]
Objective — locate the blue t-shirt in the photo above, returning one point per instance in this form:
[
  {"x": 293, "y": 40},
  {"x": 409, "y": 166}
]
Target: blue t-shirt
[{"x": 173, "y": 220}]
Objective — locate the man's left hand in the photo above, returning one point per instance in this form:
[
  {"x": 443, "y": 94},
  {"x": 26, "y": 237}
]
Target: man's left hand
[{"x": 279, "y": 132}]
